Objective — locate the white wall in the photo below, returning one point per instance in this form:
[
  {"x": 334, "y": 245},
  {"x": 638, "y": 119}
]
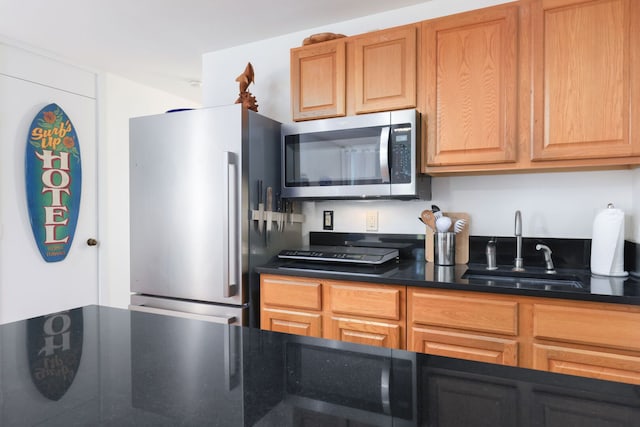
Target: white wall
[
  {"x": 120, "y": 99},
  {"x": 114, "y": 101},
  {"x": 559, "y": 204},
  {"x": 29, "y": 285}
]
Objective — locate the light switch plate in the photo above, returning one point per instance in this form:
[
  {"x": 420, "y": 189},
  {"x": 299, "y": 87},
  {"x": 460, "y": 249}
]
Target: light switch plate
[{"x": 372, "y": 221}]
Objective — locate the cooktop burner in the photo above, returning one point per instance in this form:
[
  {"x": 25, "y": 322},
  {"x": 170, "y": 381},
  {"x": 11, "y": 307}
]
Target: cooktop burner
[{"x": 347, "y": 254}]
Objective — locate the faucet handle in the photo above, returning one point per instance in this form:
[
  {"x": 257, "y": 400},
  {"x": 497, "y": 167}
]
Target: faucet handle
[{"x": 547, "y": 257}]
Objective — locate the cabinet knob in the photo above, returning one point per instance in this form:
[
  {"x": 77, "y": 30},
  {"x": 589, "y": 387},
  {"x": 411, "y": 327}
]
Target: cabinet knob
[{"x": 92, "y": 242}]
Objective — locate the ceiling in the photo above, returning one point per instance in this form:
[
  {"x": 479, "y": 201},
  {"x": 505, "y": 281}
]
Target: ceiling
[{"x": 160, "y": 42}]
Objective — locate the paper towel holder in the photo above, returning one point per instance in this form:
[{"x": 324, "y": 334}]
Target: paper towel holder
[{"x": 607, "y": 246}]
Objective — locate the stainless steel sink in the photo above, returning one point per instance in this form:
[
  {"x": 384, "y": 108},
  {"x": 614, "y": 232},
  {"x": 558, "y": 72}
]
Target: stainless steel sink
[{"x": 530, "y": 279}]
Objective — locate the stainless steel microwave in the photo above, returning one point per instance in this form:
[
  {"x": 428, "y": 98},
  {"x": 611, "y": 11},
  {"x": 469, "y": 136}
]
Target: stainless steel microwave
[{"x": 365, "y": 156}]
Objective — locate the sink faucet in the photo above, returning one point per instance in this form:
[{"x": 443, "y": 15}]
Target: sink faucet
[
  {"x": 547, "y": 257},
  {"x": 517, "y": 264}
]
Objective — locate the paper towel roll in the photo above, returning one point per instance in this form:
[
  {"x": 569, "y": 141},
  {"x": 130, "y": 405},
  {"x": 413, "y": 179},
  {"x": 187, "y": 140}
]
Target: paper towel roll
[{"x": 607, "y": 244}]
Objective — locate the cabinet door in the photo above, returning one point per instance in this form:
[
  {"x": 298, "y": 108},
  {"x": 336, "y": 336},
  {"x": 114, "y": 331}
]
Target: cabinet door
[
  {"x": 291, "y": 322},
  {"x": 385, "y": 70},
  {"x": 470, "y": 77},
  {"x": 585, "y": 61},
  {"x": 318, "y": 80},
  {"x": 359, "y": 331},
  {"x": 464, "y": 345}
]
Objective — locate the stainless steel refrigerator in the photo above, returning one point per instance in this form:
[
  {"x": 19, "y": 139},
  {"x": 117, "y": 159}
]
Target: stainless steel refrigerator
[{"x": 202, "y": 184}]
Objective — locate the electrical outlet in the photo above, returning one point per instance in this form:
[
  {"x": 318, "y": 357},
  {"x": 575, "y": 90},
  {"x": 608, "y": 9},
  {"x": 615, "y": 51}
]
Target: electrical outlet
[
  {"x": 372, "y": 220},
  {"x": 327, "y": 220}
]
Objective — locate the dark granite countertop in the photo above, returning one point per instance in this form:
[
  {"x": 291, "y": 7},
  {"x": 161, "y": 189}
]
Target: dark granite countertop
[
  {"x": 571, "y": 258},
  {"x": 98, "y": 366},
  {"x": 408, "y": 272}
]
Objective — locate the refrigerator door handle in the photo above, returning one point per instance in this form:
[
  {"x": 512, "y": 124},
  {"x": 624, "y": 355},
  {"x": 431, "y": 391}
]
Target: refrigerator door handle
[
  {"x": 227, "y": 320},
  {"x": 229, "y": 226}
]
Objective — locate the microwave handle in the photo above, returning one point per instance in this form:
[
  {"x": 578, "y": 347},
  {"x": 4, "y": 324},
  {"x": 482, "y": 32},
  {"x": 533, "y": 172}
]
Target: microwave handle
[
  {"x": 385, "y": 392},
  {"x": 384, "y": 154}
]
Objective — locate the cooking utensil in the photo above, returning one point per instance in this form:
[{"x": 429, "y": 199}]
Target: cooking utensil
[
  {"x": 428, "y": 219},
  {"x": 443, "y": 224},
  {"x": 437, "y": 213},
  {"x": 459, "y": 225}
]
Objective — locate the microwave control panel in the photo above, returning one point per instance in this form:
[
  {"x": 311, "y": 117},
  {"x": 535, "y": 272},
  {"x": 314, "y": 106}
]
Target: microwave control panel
[{"x": 401, "y": 154}]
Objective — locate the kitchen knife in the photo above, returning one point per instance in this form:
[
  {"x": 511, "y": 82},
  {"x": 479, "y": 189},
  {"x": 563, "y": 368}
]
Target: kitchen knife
[
  {"x": 260, "y": 206},
  {"x": 279, "y": 222},
  {"x": 269, "y": 212}
]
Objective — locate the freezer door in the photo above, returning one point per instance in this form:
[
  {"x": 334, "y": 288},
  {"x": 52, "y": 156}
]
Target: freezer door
[{"x": 185, "y": 174}]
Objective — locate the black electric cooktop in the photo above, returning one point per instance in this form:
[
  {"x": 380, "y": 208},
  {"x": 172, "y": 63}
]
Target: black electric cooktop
[{"x": 343, "y": 254}]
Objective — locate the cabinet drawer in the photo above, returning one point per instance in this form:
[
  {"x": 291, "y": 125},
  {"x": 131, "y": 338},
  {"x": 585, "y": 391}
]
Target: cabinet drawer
[
  {"x": 464, "y": 346},
  {"x": 478, "y": 314},
  {"x": 587, "y": 363},
  {"x": 291, "y": 293},
  {"x": 593, "y": 326},
  {"x": 378, "y": 334},
  {"x": 370, "y": 301},
  {"x": 291, "y": 322}
]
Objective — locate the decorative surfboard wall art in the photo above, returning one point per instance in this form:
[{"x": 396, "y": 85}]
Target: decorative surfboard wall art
[{"x": 53, "y": 175}]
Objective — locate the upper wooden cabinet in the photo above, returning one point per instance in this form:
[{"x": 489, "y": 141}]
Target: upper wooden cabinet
[
  {"x": 470, "y": 78},
  {"x": 532, "y": 85},
  {"x": 585, "y": 84},
  {"x": 384, "y": 70},
  {"x": 371, "y": 72},
  {"x": 318, "y": 74}
]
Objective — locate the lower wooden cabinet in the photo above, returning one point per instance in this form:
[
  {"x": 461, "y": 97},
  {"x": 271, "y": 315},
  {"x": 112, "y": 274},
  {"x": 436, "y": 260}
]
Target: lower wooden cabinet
[
  {"x": 292, "y": 305},
  {"x": 356, "y": 312},
  {"x": 463, "y": 325},
  {"x": 589, "y": 339}
]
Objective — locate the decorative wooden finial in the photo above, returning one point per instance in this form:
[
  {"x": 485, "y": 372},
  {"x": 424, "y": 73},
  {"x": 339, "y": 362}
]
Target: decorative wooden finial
[{"x": 245, "y": 97}]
